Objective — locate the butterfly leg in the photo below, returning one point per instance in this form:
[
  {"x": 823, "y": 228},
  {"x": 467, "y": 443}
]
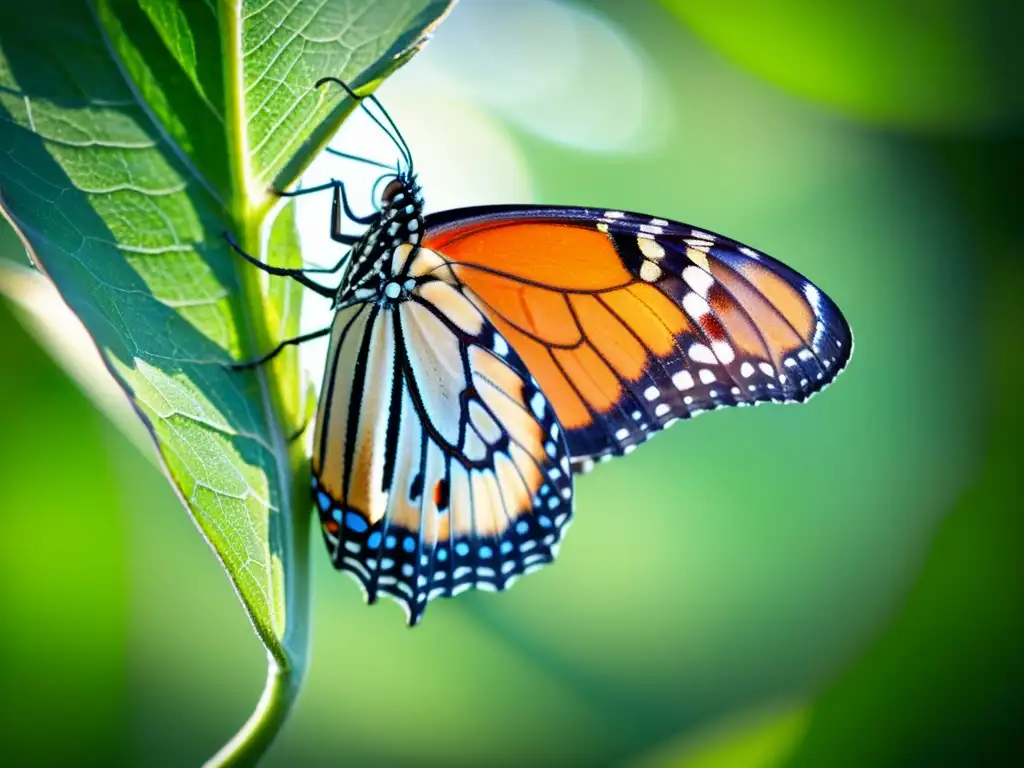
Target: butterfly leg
[
  {"x": 340, "y": 202},
  {"x": 280, "y": 348},
  {"x": 295, "y": 274}
]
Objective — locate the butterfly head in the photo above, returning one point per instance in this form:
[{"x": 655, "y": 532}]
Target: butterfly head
[
  {"x": 402, "y": 189},
  {"x": 400, "y": 222}
]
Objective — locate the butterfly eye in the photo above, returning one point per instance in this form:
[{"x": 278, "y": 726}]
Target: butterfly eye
[{"x": 393, "y": 188}]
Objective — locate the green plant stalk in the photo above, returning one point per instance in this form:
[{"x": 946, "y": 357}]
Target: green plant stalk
[
  {"x": 287, "y": 656},
  {"x": 254, "y": 738}
]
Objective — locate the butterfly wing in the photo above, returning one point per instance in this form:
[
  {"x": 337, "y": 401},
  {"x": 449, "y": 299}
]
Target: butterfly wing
[
  {"x": 629, "y": 323},
  {"x": 438, "y": 464}
]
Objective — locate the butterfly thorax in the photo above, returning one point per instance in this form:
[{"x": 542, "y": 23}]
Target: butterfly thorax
[{"x": 370, "y": 275}]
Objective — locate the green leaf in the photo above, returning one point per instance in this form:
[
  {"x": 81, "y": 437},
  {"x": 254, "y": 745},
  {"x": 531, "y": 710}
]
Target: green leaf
[
  {"x": 11, "y": 248},
  {"x": 132, "y": 134}
]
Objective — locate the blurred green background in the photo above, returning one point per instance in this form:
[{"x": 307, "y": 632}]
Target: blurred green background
[{"x": 831, "y": 584}]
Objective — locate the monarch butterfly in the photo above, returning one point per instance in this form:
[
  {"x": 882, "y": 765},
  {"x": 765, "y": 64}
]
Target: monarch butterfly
[{"x": 480, "y": 357}]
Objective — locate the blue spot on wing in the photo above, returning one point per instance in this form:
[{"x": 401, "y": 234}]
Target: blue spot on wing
[{"x": 355, "y": 522}]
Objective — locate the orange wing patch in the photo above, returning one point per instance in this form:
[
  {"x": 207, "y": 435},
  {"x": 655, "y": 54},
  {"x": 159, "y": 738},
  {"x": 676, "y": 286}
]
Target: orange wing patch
[
  {"x": 590, "y": 375},
  {"x": 532, "y": 310},
  {"x": 778, "y": 333},
  {"x": 554, "y": 255},
  {"x": 786, "y": 300},
  {"x": 615, "y": 342}
]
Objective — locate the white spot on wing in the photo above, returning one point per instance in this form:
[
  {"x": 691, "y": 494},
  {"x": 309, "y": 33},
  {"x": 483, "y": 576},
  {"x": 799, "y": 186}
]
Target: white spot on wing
[
  {"x": 649, "y": 271},
  {"x": 814, "y": 297},
  {"x": 695, "y": 306},
  {"x": 699, "y": 280},
  {"x": 723, "y": 351},
  {"x": 650, "y": 248},
  {"x": 700, "y": 353},
  {"x": 682, "y": 380}
]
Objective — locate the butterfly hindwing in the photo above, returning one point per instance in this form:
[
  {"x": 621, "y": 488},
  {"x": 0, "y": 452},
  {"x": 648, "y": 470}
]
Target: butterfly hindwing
[
  {"x": 439, "y": 464},
  {"x": 630, "y": 323}
]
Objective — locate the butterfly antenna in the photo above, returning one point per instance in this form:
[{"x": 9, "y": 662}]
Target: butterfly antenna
[
  {"x": 399, "y": 142},
  {"x": 391, "y": 122},
  {"x": 357, "y": 158}
]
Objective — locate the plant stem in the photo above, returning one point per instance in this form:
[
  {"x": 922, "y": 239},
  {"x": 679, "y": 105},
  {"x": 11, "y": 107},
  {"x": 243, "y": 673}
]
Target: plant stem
[
  {"x": 287, "y": 639},
  {"x": 254, "y": 738}
]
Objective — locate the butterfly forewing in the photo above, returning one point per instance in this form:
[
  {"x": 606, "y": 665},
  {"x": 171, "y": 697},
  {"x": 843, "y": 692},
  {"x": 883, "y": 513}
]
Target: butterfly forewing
[
  {"x": 439, "y": 464},
  {"x": 629, "y": 323}
]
